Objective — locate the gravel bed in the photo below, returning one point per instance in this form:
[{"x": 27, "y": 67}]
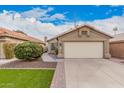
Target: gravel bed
[{"x": 32, "y": 64}]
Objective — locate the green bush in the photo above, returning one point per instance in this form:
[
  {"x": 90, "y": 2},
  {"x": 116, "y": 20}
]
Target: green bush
[
  {"x": 28, "y": 51},
  {"x": 8, "y": 50}
]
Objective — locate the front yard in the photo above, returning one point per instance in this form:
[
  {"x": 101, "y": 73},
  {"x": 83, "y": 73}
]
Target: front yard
[
  {"x": 30, "y": 70},
  {"x": 25, "y": 78}
]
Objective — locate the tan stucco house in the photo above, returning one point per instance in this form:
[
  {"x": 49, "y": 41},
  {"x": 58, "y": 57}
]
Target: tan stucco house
[
  {"x": 8, "y": 36},
  {"x": 82, "y": 42},
  {"x": 117, "y": 46}
]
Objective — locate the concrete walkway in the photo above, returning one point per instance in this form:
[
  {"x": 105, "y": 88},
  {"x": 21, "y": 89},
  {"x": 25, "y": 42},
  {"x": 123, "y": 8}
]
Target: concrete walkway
[
  {"x": 50, "y": 58},
  {"x": 93, "y": 73},
  {"x": 4, "y": 61},
  {"x": 59, "y": 76}
]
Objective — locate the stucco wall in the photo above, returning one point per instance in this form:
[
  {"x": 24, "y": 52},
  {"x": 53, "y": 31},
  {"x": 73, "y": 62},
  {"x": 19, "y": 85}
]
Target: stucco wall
[
  {"x": 117, "y": 49},
  {"x": 7, "y": 40},
  {"x": 1, "y": 50}
]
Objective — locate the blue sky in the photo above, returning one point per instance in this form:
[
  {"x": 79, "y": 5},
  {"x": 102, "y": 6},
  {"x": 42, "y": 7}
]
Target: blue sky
[
  {"x": 52, "y": 20},
  {"x": 81, "y": 12}
]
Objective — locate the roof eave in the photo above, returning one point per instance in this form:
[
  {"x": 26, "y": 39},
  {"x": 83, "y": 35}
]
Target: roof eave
[{"x": 22, "y": 39}]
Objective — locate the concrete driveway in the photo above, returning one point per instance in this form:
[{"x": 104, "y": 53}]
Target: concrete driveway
[{"x": 93, "y": 73}]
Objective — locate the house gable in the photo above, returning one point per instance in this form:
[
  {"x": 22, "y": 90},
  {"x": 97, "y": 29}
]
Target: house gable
[{"x": 84, "y": 34}]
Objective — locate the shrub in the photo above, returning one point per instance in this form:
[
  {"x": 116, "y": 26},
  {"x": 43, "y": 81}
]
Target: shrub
[
  {"x": 8, "y": 50},
  {"x": 28, "y": 51}
]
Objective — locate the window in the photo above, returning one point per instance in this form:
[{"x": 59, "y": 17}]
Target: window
[{"x": 84, "y": 32}]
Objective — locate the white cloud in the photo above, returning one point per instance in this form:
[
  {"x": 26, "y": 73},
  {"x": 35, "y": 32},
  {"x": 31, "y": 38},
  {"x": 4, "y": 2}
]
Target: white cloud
[
  {"x": 43, "y": 14},
  {"x": 30, "y": 26},
  {"x": 54, "y": 17},
  {"x": 50, "y": 9},
  {"x": 5, "y": 12},
  {"x": 40, "y": 29},
  {"x": 17, "y": 15},
  {"x": 32, "y": 20},
  {"x": 107, "y": 25},
  {"x": 58, "y": 16},
  {"x": 36, "y": 13}
]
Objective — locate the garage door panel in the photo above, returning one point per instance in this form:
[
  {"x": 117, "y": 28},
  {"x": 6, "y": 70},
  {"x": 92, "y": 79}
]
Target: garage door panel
[{"x": 83, "y": 49}]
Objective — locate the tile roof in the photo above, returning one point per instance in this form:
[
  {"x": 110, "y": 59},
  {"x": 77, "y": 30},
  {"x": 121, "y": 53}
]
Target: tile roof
[{"x": 8, "y": 33}]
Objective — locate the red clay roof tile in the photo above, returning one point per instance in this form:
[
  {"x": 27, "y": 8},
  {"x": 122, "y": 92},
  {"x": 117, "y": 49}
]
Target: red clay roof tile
[{"x": 18, "y": 35}]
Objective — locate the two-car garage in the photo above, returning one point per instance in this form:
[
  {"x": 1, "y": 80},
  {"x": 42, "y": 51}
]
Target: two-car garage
[{"x": 83, "y": 49}]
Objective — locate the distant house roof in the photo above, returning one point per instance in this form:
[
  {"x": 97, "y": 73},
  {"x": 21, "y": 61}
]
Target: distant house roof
[
  {"x": 91, "y": 27},
  {"x": 18, "y": 35},
  {"x": 118, "y": 38}
]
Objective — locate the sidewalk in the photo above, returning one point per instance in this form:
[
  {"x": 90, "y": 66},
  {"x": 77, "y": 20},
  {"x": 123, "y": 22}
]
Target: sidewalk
[
  {"x": 4, "y": 61},
  {"x": 50, "y": 58}
]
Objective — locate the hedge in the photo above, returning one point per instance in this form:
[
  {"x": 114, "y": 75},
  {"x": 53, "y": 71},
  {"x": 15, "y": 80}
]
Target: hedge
[{"x": 9, "y": 50}]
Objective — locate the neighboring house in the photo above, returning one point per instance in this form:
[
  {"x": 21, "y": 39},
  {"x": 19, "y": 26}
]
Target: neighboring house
[
  {"x": 15, "y": 37},
  {"x": 117, "y": 46},
  {"x": 83, "y": 42}
]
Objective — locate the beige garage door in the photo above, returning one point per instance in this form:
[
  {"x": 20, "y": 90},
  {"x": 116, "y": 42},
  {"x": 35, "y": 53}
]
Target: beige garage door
[{"x": 83, "y": 49}]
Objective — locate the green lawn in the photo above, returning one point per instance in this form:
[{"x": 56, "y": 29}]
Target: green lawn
[{"x": 22, "y": 78}]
